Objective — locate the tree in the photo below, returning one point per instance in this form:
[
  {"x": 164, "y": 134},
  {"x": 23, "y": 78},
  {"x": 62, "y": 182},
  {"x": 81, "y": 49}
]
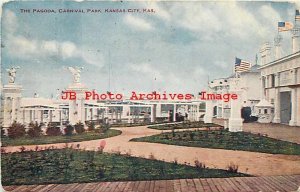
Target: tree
[
  {"x": 16, "y": 130},
  {"x": 35, "y": 129},
  {"x": 69, "y": 130},
  {"x": 79, "y": 127},
  {"x": 53, "y": 131}
]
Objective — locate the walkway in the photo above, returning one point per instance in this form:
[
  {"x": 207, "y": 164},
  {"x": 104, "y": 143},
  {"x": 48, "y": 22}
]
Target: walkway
[
  {"x": 274, "y": 130},
  {"x": 234, "y": 184},
  {"x": 259, "y": 164}
]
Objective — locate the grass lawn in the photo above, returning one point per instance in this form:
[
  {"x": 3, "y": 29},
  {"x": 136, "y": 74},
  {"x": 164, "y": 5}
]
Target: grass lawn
[
  {"x": 223, "y": 139},
  {"x": 26, "y": 140},
  {"x": 184, "y": 125},
  {"x": 70, "y": 165}
]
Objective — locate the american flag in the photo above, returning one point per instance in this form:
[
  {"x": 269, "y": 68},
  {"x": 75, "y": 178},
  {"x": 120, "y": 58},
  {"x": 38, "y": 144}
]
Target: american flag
[
  {"x": 241, "y": 66},
  {"x": 297, "y": 15},
  {"x": 285, "y": 26}
]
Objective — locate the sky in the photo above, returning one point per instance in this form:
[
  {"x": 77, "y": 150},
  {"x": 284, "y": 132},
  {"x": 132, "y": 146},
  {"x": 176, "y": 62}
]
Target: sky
[{"x": 176, "y": 48}]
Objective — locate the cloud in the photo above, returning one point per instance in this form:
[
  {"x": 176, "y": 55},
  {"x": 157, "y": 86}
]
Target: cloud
[
  {"x": 93, "y": 57},
  {"x": 146, "y": 69},
  {"x": 68, "y": 49},
  {"x": 138, "y": 23},
  {"x": 9, "y": 21},
  {"x": 32, "y": 49}
]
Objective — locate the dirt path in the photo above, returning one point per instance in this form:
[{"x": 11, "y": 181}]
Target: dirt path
[
  {"x": 274, "y": 130},
  {"x": 248, "y": 162}
]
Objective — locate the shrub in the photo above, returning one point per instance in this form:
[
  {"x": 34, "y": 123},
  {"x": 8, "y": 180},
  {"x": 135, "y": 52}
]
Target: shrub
[
  {"x": 199, "y": 165},
  {"x": 34, "y": 130},
  {"x": 16, "y": 130},
  {"x": 192, "y": 135},
  {"x": 2, "y": 131},
  {"x": 79, "y": 127},
  {"x": 91, "y": 126},
  {"x": 173, "y": 132},
  {"x": 232, "y": 168},
  {"x": 69, "y": 130},
  {"x": 152, "y": 157},
  {"x": 105, "y": 127},
  {"x": 53, "y": 131}
]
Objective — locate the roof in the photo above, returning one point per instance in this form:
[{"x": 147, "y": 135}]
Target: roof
[
  {"x": 286, "y": 58},
  {"x": 264, "y": 103}
]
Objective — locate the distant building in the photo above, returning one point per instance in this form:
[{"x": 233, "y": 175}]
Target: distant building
[
  {"x": 281, "y": 84},
  {"x": 249, "y": 84}
]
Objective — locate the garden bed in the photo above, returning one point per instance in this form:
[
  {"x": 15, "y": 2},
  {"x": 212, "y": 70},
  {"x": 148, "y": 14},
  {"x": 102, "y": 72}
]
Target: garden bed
[
  {"x": 223, "y": 139},
  {"x": 184, "y": 125},
  {"x": 72, "y": 166},
  {"x": 44, "y": 139}
]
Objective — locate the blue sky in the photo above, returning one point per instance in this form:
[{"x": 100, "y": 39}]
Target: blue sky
[{"x": 174, "y": 49}]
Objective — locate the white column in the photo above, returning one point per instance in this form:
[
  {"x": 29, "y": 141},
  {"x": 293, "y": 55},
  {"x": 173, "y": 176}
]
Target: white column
[
  {"x": 158, "y": 110},
  {"x": 295, "y": 40},
  {"x": 293, "y": 120},
  {"x": 277, "y": 106},
  {"x": 60, "y": 119},
  {"x": 277, "y": 44},
  {"x": 50, "y": 115},
  {"x": 24, "y": 121},
  {"x": 208, "y": 112},
  {"x": 174, "y": 112},
  {"x": 129, "y": 116},
  {"x": 152, "y": 114},
  {"x": 197, "y": 112},
  {"x": 235, "y": 120},
  {"x": 42, "y": 116},
  {"x": 263, "y": 79},
  {"x": 13, "y": 110}
]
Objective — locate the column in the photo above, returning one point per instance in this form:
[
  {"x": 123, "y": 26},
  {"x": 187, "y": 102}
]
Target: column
[
  {"x": 60, "y": 119},
  {"x": 293, "y": 120},
  {"x": 174, "y": 112},
  {"x": 295, "y": 39},
  {"x": 129, "y": 116},
  {"x": 277, "y": 106},
  {"x": 208, "y": 112},
  {"x": 50, "y": 115},
  {"x": 13, "y": 112},
  {"x": 152, "y": 114},
  {"x": 197, "y": 112},
  {"x": 158, "y": 110},
  {"x": 235, "y": 123},
  {"x": 277, "y": 44},
  {"x": 42, "y": 116}
]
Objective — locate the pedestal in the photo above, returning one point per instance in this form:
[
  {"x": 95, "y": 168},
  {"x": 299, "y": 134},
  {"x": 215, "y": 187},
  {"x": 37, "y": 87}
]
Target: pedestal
[
  {"x": 76, "y": 107},
  {"x": 10, "y": 104},
  {"x": 235, "y": 122},
  {"x": 208, "y": 112}
]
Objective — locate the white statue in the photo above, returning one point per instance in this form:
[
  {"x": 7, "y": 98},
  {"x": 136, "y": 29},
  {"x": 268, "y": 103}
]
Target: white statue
[
  {"x": 76, "y": 73},
  {"x": 12, "y": 74}
]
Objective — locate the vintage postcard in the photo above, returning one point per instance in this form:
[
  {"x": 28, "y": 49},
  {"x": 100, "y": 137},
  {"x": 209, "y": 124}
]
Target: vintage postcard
[{"x": 172, "y": 96}]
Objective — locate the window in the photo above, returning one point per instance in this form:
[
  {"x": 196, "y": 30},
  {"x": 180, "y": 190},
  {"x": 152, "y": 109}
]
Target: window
[
  {"x": 265, "y": 111},
  {"x": 272, "y": 80}
]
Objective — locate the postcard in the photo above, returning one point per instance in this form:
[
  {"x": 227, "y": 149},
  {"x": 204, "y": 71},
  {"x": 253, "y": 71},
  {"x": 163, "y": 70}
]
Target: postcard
[{"x": 150, "y": 96}]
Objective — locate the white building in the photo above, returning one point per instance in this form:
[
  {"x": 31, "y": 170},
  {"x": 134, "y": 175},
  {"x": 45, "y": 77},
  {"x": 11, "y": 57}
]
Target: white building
[
  {"x": 249, "y": 84},
  {"x": 24, "y": 110},
  {"x": 281, "y": 85}
]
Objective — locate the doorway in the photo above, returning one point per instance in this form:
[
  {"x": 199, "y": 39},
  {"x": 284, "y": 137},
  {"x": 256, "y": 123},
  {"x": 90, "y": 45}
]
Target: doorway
[{"x": 285, "y": 107}]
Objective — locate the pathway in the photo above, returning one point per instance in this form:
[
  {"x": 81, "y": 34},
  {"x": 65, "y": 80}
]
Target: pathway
[
  {"x": 233, "y": 184},
  {"x": 253, "y": 163}
]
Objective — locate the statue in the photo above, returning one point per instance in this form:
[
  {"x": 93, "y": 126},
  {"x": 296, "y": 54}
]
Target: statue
[
  {"x": 76, "y": 73},
  {"x": 12, "y": 74}
]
